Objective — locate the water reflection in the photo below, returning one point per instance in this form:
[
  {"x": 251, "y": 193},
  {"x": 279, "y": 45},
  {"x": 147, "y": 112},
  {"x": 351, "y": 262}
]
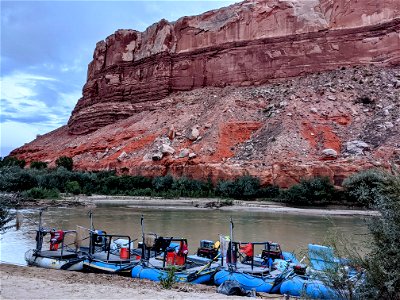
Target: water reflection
[{"x": 293, "y": 232}]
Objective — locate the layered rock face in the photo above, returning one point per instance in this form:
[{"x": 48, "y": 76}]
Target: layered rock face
[
  {"x": 249, "y": 43},
  {"x": 226, "y": 93}
]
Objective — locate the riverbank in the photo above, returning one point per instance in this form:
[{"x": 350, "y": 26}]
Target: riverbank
[
  {"x": 216, "y": 203},
  {"x": 196, "y": 204},
  {"x": 18, "y": 282}
]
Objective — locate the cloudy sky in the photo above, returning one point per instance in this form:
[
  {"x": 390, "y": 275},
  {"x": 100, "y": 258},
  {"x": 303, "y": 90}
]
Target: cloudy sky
[{"x": 46, "y": 47}]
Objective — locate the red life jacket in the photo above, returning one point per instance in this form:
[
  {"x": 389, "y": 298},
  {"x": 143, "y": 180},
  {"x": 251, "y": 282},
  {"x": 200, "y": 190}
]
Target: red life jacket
[
  {"x": 183, "y": 249},
  {"x": 247, "y": 249},
  {"x": 56, "y": 237}
]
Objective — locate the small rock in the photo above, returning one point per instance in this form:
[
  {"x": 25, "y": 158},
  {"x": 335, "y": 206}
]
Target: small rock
[
  {"x": 156, "y": 156},
  {"x": 166, "y": 149},
  {"x": 313, "y": 110},
  {"x": 194, "y": 134},
  {"x": 171, "y": 132},
  {"x": 329, "y": 153},
  {"x": 386, "y": 112},
  {"x": 331, "y": 98},
  {"x": 184, "y": 152},
  {"x": 388, "y": 124},
  {"x": 356, "y": 147},
  {"x": 192, "y": 155},
  {"x": 283, "y": 103},
  {"x": 289, "y": 114},
  {"x": 122, "y": 156}
]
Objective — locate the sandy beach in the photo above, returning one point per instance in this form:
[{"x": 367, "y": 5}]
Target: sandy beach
[
  {"x": 208, "y": 203},
  {"x": 21, "y": 282}
]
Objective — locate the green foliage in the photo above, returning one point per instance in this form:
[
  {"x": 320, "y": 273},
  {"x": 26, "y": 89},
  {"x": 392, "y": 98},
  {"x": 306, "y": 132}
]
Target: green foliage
[
  {"x": 14, "y": 179},
  {"x": 381, "y": 279},
  {"x": 167, "y": 281},
  {"x": 38, "y": 165},
  {"x": 314, "y": 191},
  {"x": 41, "y": 193},
  {"x": 66, "y": 162},
  {"x": 246, "y": 187},
  {"x": 383, "y": 261},
  {"x": 162, "y": 183},
  {"x": 269, "y": 192},
  {"x": 10, "y": 161},
  {"x": 73, "y": 187},
  {"x": 5, "y": 215},
  {"x": 365, "y": 186}
]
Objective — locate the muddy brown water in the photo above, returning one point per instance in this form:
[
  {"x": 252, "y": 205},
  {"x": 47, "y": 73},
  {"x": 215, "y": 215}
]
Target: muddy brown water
[{"x": 293, "y": 232}]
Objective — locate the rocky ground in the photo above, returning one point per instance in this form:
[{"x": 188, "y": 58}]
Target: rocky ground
[
  {"x": 326, "y": 124},
  {"x": 19, "y": 282}
]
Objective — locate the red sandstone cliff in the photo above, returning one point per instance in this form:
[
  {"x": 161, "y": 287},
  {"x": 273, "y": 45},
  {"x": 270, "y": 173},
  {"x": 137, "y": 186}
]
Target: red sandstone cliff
[{"x": 225, "y": 93}]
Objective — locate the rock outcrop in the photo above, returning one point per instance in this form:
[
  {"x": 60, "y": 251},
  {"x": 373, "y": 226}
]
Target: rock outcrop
[
  {"x": 249, "y": 43},
  {"x": 264, "y": 88}
]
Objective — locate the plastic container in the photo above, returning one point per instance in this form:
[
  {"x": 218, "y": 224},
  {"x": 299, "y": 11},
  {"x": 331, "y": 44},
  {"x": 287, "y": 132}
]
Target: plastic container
[
  {"x": 180, "y": 260},
  {"x": 171, "y": 258},
  {"x": 124, "y": 253}
]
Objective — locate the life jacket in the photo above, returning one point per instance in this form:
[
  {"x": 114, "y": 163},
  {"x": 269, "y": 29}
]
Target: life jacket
[
  {"x": 56, "y": 237},
  {"x": 247, "y": 249},
  {"x": 183, "y": 249}
]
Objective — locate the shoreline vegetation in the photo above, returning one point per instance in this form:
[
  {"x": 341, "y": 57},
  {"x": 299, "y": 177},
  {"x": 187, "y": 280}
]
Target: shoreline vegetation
[{"x": 40, "y": 182}]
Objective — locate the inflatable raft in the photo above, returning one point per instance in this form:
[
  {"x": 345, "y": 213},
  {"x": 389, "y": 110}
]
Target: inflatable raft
[{"x": 54, "y": 260}]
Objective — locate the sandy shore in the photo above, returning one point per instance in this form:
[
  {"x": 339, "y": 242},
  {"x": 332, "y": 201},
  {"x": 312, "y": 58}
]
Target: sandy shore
[
  {"x": 199, "y": 203},
  {"x": 18, "y": 282}
]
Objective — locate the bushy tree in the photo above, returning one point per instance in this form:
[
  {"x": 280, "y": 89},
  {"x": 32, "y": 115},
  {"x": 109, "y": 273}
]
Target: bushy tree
[
  {"x": 314, "y": 191},
  {"x": 383, "y": 261},
  {"x": 246, "y": 187},
  {"x": 41, "y": 193},
  {"x": 66, "y": 162},
  {"x": 73, "y": 187},
  {"x": 5, "y": 215},
  {"x": 364, "y": 187},
  {"x": 270, "y": 192},
  {"x": 162, "y": 183},
  {"x": 14, "y": 179},
  {"x": 38, "y": 165},
  {"x": 10, "y": 161}
]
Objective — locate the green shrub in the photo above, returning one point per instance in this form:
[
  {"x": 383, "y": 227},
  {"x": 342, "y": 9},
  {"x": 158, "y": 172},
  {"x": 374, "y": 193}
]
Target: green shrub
[
  {"x": 162, "y": 183},
  {"x": 246, "y": 187},
  {"x": 14, "y": 179},
  {"x": 66, "y": 162},
  {"x": 38, "y": 165},
  {"x": 269, "y": 192},
  {"x": 55, "y": 179},
  {"x": 41, "y": 193},
  {"x": 314, "y": 191},
  {"x": 10, "y": 161},
  {"x": 365, "y": 186},
  {"x": 383, "y": 261},
  {"x": 167, "y": 281},
  {"x": 73, "y": 187}
]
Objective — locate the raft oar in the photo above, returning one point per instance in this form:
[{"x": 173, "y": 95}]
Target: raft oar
[{"x": 193, "y": 276}]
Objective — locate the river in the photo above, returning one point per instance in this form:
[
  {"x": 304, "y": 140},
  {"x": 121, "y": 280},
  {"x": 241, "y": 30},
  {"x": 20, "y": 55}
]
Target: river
[{"x": 292, "y": 231}]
